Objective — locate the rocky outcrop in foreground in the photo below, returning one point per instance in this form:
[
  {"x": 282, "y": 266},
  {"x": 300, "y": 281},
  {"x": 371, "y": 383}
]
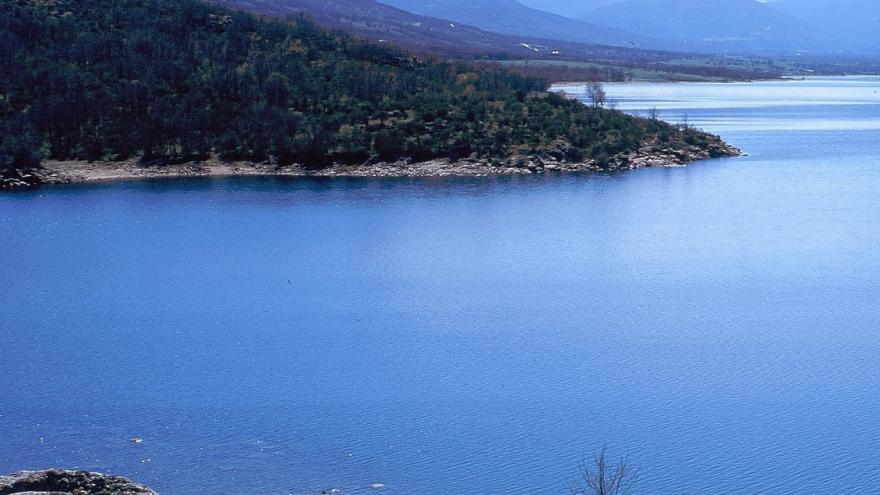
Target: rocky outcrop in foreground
[{"x": 60, "y": 482}]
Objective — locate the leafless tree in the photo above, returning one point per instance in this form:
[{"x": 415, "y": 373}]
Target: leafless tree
[
  {"x": 653, "y": 113},
  {"x": 595, "y": 92},
  {"x": 602, "y": 478},
  {"x": 685, "y": 123}
]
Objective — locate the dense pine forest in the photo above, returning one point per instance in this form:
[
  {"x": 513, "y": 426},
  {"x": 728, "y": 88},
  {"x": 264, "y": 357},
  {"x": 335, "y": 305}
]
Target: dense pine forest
[{"x": 180, "y": 80}]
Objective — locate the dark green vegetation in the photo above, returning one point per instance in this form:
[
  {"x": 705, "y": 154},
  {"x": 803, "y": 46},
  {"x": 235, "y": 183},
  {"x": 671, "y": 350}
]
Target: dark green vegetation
[{"x": 180, "y": 80}]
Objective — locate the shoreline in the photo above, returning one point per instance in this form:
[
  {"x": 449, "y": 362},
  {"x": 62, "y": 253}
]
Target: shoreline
[{"x": 79, "y": 172}]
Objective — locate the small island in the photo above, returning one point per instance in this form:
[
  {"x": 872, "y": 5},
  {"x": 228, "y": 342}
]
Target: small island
[{"x": 163, "y": 88}]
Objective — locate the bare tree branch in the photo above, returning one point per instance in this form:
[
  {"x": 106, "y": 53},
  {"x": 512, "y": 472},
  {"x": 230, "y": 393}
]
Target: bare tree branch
[
  {"x": 595, "y": 92},
  {"x": 600, "y": 478}
]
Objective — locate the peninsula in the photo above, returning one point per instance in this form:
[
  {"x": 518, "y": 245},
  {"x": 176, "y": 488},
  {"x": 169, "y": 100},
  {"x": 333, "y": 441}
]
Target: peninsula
[{"x": 162, "y": 88}]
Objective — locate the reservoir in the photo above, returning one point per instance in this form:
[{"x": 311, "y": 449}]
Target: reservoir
[{"x": 719, "y": 324}]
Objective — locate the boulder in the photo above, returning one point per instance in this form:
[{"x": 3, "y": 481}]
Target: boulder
[{"x": 62, "y": 482}]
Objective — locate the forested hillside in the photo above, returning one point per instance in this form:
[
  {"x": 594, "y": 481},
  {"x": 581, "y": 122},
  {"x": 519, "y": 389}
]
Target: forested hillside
[{"x": 179, "y": 80}]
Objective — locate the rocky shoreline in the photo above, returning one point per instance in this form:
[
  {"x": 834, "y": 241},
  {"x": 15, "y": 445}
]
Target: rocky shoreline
[
  {"x": 62, "y": 482},
  {"x": 70, "y": 172}
]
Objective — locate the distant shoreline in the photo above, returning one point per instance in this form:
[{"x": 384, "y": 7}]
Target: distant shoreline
[{"x": 77, "y": 172}]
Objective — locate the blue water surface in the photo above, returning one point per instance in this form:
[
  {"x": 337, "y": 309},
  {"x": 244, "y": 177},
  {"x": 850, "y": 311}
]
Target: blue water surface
[{"x": 719, "y": 324}]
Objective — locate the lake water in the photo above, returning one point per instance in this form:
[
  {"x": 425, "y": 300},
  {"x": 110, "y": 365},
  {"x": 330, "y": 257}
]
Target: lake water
[{"x": 719, "y": 324}]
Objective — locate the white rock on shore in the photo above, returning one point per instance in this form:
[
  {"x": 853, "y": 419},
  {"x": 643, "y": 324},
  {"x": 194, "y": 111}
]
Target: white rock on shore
[{"x": 63, "y": 172}]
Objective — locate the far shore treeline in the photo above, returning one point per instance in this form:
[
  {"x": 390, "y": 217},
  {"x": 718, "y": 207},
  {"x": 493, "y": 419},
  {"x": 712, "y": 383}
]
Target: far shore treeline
[{"x": 181, "y": 80}]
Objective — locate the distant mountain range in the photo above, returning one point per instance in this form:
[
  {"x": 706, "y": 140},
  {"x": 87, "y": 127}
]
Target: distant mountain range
[
  {"x": 444, "y": 35},
  {"x": 383, "y": 23},
  {"x": 853, "y": 23},
  {"x": 739, "y": 39},
  {"x": 568, "y": 8},
  {"x": 561, "y": 59},
  {"x": 512, "y": 17},
  {"x": 714, "y": 25},
  {"x": 780, "y": 27}
]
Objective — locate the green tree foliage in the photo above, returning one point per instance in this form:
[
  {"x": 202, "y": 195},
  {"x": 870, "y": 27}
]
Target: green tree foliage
[{"x": 179, "y": 80}]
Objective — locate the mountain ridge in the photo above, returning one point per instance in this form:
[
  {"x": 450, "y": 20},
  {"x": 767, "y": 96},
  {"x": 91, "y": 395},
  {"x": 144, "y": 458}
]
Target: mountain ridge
[
  {"x": 713, "y": 25},
  {"x": 382, "y": 22},
  {"x": 784, "y": 27},
  {"x": 854, "y": 23},
  {"x": 553, "y": 60},
  {"x": 512, "y": 17}
]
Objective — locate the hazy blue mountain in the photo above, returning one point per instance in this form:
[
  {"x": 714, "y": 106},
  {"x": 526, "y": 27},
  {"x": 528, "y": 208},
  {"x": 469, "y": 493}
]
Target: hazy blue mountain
[
  {"x": 714, "y": 25},
  {"x": 764, "y": 27},
  {"x": 377, "y": 21},
  {"x": 855, "y": 24},
  {"x": 386, "y": 24},
  {"x": 568, "y": 8},
  {"x": 512, "y": 17}
]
